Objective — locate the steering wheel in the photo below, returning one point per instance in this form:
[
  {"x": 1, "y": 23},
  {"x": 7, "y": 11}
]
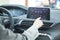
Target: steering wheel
[{"x": 4, "y": 10}]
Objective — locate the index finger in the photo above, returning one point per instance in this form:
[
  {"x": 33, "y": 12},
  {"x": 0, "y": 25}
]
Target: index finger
[{"x": 39, "y": 18}]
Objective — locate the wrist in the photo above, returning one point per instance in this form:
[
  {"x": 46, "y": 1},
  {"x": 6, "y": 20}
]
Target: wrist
[{"x": 35, "y": 26}]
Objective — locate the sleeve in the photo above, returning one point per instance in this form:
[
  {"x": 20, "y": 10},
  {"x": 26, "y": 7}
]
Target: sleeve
[
  {"x": 6, "y": 34},
  {"x": 31, "y": 33}
]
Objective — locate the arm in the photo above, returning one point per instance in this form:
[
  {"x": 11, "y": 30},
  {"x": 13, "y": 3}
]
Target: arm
[{"x": 30, "y": 34}]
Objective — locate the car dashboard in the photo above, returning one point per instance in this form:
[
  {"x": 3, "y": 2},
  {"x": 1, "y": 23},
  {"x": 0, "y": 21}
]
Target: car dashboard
[{"x": 20, "y": 13}]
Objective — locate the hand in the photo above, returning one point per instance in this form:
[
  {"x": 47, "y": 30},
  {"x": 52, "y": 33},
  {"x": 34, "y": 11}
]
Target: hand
[{"x": 38, "y": 23}]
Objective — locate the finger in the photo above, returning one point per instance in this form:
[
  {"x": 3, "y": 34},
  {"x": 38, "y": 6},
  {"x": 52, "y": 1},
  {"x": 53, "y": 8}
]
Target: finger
[{"x": 39, "y": 18}]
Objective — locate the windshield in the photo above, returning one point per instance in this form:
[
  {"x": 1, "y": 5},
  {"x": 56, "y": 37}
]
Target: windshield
[
  {"x": 19, "y": 2},
  {"x": 33, "y": 3}
]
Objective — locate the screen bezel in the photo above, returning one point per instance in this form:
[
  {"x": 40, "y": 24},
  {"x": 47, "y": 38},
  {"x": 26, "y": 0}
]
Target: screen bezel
[{"x": 28, "y": 16}]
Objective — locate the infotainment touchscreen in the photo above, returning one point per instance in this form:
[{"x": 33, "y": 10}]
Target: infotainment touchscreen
[{"x": 35, "y": 12}]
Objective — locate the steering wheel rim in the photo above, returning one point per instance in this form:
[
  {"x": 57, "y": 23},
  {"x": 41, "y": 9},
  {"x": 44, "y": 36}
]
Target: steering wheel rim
[{"x": 9, "y": 15}]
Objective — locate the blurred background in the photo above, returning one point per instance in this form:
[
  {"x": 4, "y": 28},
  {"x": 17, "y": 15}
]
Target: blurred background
[{"x": 33, "y": 3}]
